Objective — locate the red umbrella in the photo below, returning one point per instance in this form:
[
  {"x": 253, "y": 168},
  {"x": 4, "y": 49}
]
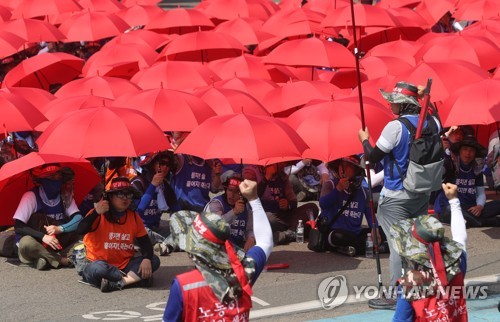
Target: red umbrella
[
  {"x": 293, "y": 22},
  {"x": 138, "y": 15},
  {"x": 180, "y": 21},
  {"x": 402, "y": 49},
  {"x": 246, "y": 30},
  {"x": 378, "y": 35},
  {"x": 231, "y": 9},
  {"x": 258, "y": 88},
  {"x": 92, "y": 26},
  {"x": 116, "y": 55},
  {"x": 326, "y": 6},
  {"x": 243, "y": 137},
  {"x": 203, "y": 46},
  {"x": 129, "y": 3},
  {"x": 141, "y": 37},
  {"x": 378, "y": 66},
  {"x": 109, "y": 87},
  {"x": 447, "y": 77},
  {"x": 245, "y": 65},
  {"x": 10, "y": 43},
  {"x": 311, "y": 52},
  {"x": 230, "y": 101},
  {"x": 44, "y": 70},
  {"x": 330, "y": 127},
  {"x": 103, "y": 131},
  {"x": 397, "y": 3},
  {"x": 366, "y": 16},
  {"x": 36, "y": 96},
  {"x": 480, "y": 97},
  {"x": 483, "y": 31},
  {"x": 477, "y": 9},
  {"x": 60, "y": 106},
  {"x": 5, "y": 13},
  {"x": 36, "y": 8},
  {"x": 33, "y": 30},
  {"x": 432, "y": 10},
  {"x": 18, "y": 114},
  {"x": 172, "y": 110},
  {"x": 102, "y": 5},
  {"x": 496, "y": 75},
  {"x": 16, "y": 179},
  {"x": 342, "y": 78},
  {"x": 473, "y": 49},
  {"x": 178, "y": 75},
  {"x": 371, "y": 88}
]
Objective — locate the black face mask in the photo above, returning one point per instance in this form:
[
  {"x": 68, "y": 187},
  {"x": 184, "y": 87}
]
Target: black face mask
[{"x": 52, "y": 188}]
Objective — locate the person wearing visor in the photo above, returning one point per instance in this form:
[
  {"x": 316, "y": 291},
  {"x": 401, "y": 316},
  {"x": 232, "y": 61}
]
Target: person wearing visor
[
  {"x": 45, "y": 222},
  {"x": 236, "y": 211},
  {"x": 110, "y": 230}
]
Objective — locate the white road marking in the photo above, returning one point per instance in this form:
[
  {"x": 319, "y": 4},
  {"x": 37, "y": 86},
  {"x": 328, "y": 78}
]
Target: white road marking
[{"x": 259, "y": 301}]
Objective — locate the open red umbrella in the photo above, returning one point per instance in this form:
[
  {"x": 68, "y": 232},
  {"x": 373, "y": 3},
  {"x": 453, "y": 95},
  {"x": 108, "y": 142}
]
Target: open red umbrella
[
  {"x": 138, "y": 15},
  {"x": 258, "y": 88},
  {"x": 402, "y": 49},
  {"x": 141, "y": 37},
  {"x": 92, "y": 26},
  {"x": 230, "y": 101},
  {"x": 109, "y": 87},
  {"x": 246, "y": 30},
  {"x": 330, "y": 127},
  {"x": 180, "y": 75},
  {"x": 378, "y": 66},
  {"x": 36, "y": 96},
  {"x": 366, "y": 16},
  {"x": 44, "y": 70},
  {"x": 10, "y": 43},
  {"x": 102, "y": 5},
  {"x": 432, "y": 10},
  {"x": 5, "y": 13},
  {"x": 36, "y": 8},
  {"x": 477, "y": 10},
  {"x": 245, "y": 65},
  {"x": 243, "y": 137},
  {"x": 33, "y": 30},
  {"x": 203, "y": 46},
  {"x": 231, "y": 9},
  {"x": 293, "y": 22},
  {"x": 480, "y": 97},
  {"x": 103, "y": 131},
  {"x": 172, "y": 110},
  {"x": 18, "y": 114},
  {"x": 15, "y": 180},
  {"x": 180, "y": 21}
]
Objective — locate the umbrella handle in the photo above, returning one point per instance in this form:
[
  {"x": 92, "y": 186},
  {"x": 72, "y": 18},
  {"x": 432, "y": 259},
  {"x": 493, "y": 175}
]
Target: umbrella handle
[{"x": 423, "y": 109}]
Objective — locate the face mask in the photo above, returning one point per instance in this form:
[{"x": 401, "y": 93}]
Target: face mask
[{"x": 52, "y": 188}]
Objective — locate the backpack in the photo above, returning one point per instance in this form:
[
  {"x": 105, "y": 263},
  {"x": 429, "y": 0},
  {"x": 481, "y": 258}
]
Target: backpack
[{"x": 426, "y": 158}]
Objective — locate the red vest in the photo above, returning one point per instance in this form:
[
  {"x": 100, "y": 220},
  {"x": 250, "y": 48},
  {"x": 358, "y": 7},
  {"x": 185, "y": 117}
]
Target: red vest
[
  {"x": 201, "y": 304},
  {"x": 451, "y": 310}
]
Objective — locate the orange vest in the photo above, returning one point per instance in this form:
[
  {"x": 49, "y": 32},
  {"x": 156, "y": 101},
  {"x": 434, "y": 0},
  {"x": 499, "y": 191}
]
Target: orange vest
[
  {"x": 201, "y": 304},
  {"x": 453, "y": 309},
  {"x": 113, "y": 242}
]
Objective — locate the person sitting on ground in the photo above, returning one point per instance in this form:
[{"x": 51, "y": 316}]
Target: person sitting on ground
[
  {"x": 224, "y": 275},
  {"x": 236, "y": 212},
  {"x": 110, "y": 230},
  {"x": 158, "y": 197},
  {"x": 280, "y": 203},
  {"x": 464, "y": 168},
  {"x": 305, "y": 179},
  {"x": 346, "y": 234},
  {"x": 435, "y": 265},
  {"x": 45, "y": 223}
]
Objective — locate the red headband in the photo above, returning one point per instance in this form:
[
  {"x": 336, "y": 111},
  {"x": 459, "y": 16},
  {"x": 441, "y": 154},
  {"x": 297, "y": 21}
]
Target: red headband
[
  {"x": 120, "y": 184},
  {"x": 404, "y": 91}
]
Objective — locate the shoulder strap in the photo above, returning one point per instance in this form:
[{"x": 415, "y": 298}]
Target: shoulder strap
[{"x": 344, "y": 207}]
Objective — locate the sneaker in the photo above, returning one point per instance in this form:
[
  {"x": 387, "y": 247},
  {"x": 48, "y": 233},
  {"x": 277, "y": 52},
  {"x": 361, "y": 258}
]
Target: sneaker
[
  {"x": 161, "y": 249},
  {"x": 41, "y": 264},
  {"x": 346, "y": 250},
  {"x": 382, "y": 304},
  {"x": 108, "y": 286}
]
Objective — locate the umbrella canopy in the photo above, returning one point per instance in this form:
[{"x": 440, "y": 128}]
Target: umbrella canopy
[
  {"x": 203, "y": 46},
  {"x": 432, "y": 10},
  {"x": 18, "y": 114},
  {"x": 103, "y": 131},
  {"x": 231, "y": 9},
  {"x": 35, "y": 8},
  {"x": 366, "y": 16},
  {"x": 230, "y": 101},
  {"x": 138, "y": 15},
  {"x": 330, "y": 127},
  {"x": 172, "y": 110},
  {"x": 293, "y": 22},
  {"x": 477, "y": 10},
  {"x": 378, "y": 66},
  {"x": 402, "y": 49},
  {"x": 92, "y": 26},
  {"x": 15, "y": 180},
  {"x": 180, "y": 75},
  {"x": 140, "y": 37},
  {"x": 243, "y": 137},
  {"x": 10, "y": 43},
  {"x": 311, "y": 52},
  {"x": 245, "y": 65},
  {"x": 33, "y": 30},
  {"x": 180, "y": 21},
  {"x": 246, "y": 30},
  {"x": 44, "y": 70},
  {"x": 36, "y": 96},
  {"x": 482, "y": 96},
  {"x": 109, "y": 87},
  {"x": 102, "y": 5},
  {"x": 258, "y": 88}
]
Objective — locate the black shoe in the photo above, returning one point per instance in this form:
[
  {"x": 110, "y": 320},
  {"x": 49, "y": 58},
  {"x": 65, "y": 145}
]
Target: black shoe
[
  {"x": 108, "y": 286},
  {"x": 346, "y": 250},
  {"x": 148, "y": 282},
  {"x": 41, "y": 264},
  {"x": 382, "y": 304}
]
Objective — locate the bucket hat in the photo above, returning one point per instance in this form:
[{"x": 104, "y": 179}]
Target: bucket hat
[
  {"x": 471, "y": 141},
  {"x": 402, "y": 92},
  {"x": 122, "y": 184},
  {"x": 46, "y": 170}
]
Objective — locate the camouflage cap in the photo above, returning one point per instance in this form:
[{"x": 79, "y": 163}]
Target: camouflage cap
[
  {"x": 402, "y": 93},
  {"x": 430, "y": 229}
]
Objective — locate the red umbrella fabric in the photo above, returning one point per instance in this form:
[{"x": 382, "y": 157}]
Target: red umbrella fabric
[
  {"x": 258, "y": 88},
  {"x": 229, "y": 101},
  {"x": 15, "y": 180},
  {"x": 36, "y": 96},
  {"x": 379, "y": 66},
  {"x": 33, "y": 30},
  {"x": 231, "y": 9},
  {"x": 138, "y": 15},
  {"x": 180, "y": 75},
  {"x": 5, "y": 13},
  {"x": 103, "y": 131},
  {"x": 203, "y": 46},
  {"x": 432, "y": 10},
  {"x": 330, "y": 127},
  {"x": 243, "y": 137},
  {"x": 172, "y": 110},
  {"x": 246, "y": 30},
  {"x": 475, "y": 10},
  {"x": 366, "y": 16},
  {"x": 376, "y": 36},
  {"x": 10, "y": 43},
  {"x": 36, "y": 8},
  {"x": 140, "y": 37},
  {"x": 180, "y": 21},
  {"x": 109, "y": 87},
  {"x": 102, "y": 5},
  {"x": 18, "y": 114},
  {"x": 481, "y": 96},
  {"x": 245, "y": 65},
  {"x": 311, "y": 52},
  {"x": 92, "y": 26},
  {"x": 402, "y": 49},
  {"x": 293, "y": 22},
  {"x": 44, "y": 70}
]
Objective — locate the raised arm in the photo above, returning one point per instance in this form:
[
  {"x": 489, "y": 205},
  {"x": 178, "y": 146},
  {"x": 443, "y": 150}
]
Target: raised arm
[{"x": 458, "y": 230}]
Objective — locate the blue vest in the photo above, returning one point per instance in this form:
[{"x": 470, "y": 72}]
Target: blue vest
[
  {"x": 275, "y": 190},
  {"x": 152, "y": 215},
  {"x": 466, "y": 182},
  {"x": 55, "y": 212},
  {"x": 192, "y": 185},
  {"x": 238, "y": 225}
]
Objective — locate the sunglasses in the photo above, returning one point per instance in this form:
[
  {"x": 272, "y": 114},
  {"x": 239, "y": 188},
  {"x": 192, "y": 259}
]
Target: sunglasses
[
  {"x": 123, "y": 195},
  {"x": 164, "y": 163}
]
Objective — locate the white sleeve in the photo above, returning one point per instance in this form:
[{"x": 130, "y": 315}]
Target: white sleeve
[
  {"x": 480, "y": 196},
  {"x": 72, "y": 208},
  {"x": 323, "y": 169},
  {"x": 293, "y": 169},
  {"x": 376, "y": 178},
  {"x": 27, "y": 207},
  {"x": 261, "y": 228},
  {"x": 390, "y": 137},
  {"x": 458, "y": 230}
]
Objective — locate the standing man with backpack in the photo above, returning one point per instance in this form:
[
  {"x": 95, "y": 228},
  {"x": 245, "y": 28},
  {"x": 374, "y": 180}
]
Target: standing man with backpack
[{"x": 404, "y": 196}]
